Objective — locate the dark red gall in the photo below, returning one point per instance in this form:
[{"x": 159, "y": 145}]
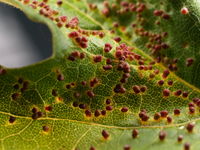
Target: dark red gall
[
  {"x": 169, "y": 119},
  {"x": 177, "y": 111},
  {"x": 15, "y": 96},
  {"x": 160, "y": 82},
  {"x": 48, "y": 108},
  {"x": 103, "y": 112},
  {"x": 180, "y": 138},
  {"x": 97, "y": 113},
  {"x": 45, "y": 128},
  {"x": 156, "y": 116},
  {"x": 127, "y": 147},
  {"x": 190, "y": 127},
  {"x": 12, "y": 119},
  {"x": 88, "y": 113},
  {"x": 109, "y": 108},
  {"x": 97, "y": 58},
  {"x": 164, "y": 113},
  {"x": 124, "y": 109},
  {"x": 136, "y": 89},
  {"x": 90, "y": 94},
  {"x": 135, "y": 133},
  {"x": 105, "y": 134},
  {"x": 186, "y": 146},
  {"x": 82, "y": 106},
  {"x": 162, "y": 135},
  {"x": 166, "y": 92}
]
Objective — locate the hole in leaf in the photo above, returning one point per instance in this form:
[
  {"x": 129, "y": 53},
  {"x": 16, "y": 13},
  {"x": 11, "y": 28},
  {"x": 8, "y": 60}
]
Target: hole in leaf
[{"x": 22, "y": 42}]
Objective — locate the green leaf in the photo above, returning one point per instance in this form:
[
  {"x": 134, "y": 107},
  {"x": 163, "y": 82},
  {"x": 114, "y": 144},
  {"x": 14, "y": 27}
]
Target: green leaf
[
  {"x": 78, "y": 99},
  {"x": 180, "y": 51}
]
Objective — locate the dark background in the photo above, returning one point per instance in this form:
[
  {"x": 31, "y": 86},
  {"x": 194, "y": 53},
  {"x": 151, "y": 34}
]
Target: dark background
[{"x": 22, "y": 42}]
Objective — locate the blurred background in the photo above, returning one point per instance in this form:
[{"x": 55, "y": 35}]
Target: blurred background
[{"x": 22, "y": 42}]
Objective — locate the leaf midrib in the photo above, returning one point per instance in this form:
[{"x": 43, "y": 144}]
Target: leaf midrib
[{"x": 102, "y": 125}]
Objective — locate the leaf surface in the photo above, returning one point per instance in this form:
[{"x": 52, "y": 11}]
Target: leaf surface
[{"x": 68, "y": 100}]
